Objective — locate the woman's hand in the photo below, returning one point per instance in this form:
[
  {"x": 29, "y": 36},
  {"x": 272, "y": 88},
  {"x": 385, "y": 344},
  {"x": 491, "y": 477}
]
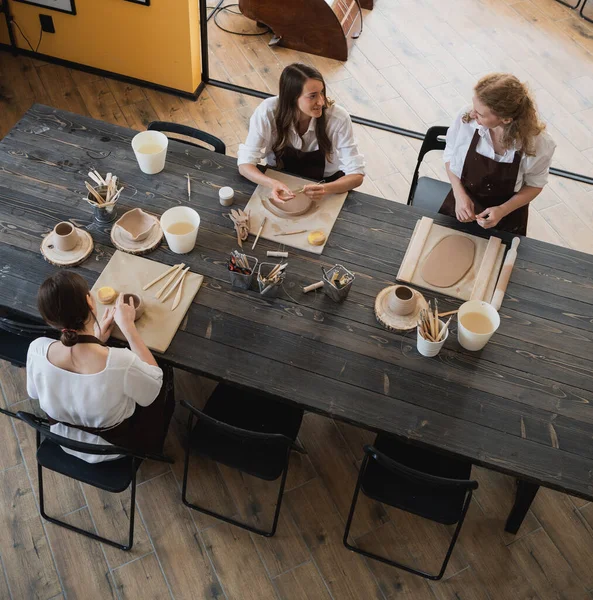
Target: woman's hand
[
  {"x": 464, "y": 208},
  {"x": 105, "y": 327},
  {"x": 281, "y": 192},
  {"x": 315, "y": 191},
  {"x": 491, "y": 217},
  {"x": 124, "y": 314}
]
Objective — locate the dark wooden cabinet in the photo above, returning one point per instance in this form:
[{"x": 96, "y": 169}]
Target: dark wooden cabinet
[{"x": 323, "y": 27}]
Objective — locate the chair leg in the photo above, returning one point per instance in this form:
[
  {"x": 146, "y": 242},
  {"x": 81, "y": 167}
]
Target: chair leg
[
  {"x": 393, "y": 563},
  {"x": 223, "y": 517},
  {"x": 583, "y": 14},
  {"x": 89, "y": 534}
]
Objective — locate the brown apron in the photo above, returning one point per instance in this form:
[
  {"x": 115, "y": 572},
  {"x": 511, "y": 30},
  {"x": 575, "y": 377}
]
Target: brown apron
[
  {"x": 490, "y": 183},
  {"x": 305, "y": 164},
  {"x": 146, "y": 429}
]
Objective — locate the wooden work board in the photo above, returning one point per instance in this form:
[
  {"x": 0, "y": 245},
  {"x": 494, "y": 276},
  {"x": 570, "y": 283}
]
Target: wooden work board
[
  {"x": 321, "y": 216},
  {"x": 127, "y": 273},
  {"x": 477, "y": 284}
]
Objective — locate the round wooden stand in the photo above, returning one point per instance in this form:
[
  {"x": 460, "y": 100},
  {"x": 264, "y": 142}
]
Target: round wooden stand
[
  {"x": 73, "y": 257},
  {"x": 121, "y": 242},
  {"x": 389, "y": 319}
]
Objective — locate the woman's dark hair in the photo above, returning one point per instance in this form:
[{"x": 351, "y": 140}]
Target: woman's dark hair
[
  {"x": 292, "y": 81},
  {"x": 62, "y": 302}
]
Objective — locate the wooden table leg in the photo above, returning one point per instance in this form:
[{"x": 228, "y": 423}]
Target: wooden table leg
[{"x": 523, "y": 498}]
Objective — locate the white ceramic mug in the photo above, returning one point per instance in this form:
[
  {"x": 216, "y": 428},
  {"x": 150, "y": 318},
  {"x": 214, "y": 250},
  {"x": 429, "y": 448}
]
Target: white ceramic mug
[
  {"x": 471, "y": 340},
  {"x": 150, "y": 148},
  {"x": 428, "y": 348},
  {"x": 180, "y": 243},
  {"x": 65, "y": 236}
]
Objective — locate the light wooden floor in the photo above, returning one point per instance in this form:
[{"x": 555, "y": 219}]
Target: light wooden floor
[{"x": 414, "y": 66}]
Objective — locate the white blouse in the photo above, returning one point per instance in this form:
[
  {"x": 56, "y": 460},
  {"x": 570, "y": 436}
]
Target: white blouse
[
  {"x": 262, "y": 136},
  {"x": 102, "y": 399},
  {"x": 533, "y": 170}
]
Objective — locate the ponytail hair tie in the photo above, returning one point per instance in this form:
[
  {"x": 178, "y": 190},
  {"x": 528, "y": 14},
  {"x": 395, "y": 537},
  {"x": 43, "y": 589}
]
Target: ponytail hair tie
[{"x": 67, "y": 330}]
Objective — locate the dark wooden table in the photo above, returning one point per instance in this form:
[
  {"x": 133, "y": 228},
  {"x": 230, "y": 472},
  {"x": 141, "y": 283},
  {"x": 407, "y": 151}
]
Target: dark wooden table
[{"x": 522, "y": 406}]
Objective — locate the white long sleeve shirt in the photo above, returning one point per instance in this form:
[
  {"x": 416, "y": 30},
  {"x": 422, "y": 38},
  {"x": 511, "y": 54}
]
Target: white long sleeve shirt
[
  {"x": 103, "y": 399},
  {"x": 262, "y": 136},
  {"x": 533, "y": 170}
]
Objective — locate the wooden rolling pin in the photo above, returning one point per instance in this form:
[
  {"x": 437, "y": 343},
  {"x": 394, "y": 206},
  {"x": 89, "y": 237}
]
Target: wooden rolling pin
[
  {"x": 505, "y": 274},
  {"x": 277, "y": 254},
  {"x": 313, "y": 286}
]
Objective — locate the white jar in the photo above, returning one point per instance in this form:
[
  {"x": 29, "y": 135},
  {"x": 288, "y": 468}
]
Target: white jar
[{"x": 226, "y": 195}]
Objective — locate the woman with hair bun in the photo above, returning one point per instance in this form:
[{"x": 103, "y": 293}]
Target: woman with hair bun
[
  {"x": 301, "y": 131},
  {"x": 497, "y": 156},
  {"x": 90, "y": 392}
]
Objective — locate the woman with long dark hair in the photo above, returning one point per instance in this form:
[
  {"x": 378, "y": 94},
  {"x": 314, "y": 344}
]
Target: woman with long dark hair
[
  {"x": 304, "y": 133},
  {"x": 498, "y": 156},
  {"x": 90, "y": 392}
]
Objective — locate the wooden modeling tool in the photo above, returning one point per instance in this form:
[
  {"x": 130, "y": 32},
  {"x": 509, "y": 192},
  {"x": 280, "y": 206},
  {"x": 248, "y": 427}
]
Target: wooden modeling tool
[
  {"x": 313, "y": 286},
  {"x": 188, "y": 187},
  {"x": 291, "y": 232},
  {"x": 259, "y": 232},
  {"x": 167, "y": 272},
  {"x": 449, "y": 312},
  {"x": 505, "y": 274},
  {"x": 173, "y": 275},
  {"x": 174, "y": 286},
  {"x": 179, "y": 292}
]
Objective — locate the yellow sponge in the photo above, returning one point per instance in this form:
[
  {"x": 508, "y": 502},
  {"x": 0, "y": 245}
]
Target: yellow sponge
[
  {"x": 106, "y": 295},
  {"x": 316, "y": 238}
]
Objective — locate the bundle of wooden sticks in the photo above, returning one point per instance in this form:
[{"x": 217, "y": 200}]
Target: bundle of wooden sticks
[
  {"x": 429, "y": 325},
  {"x": 274, "y": 277},
  {"x": 173, "y": 272},
  {"x": 107, "y": 196}
]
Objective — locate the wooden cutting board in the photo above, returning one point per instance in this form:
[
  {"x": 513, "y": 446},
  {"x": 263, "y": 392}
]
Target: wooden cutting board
[
  {"x": 127, "y": 273},
  {"x": 477, "y": 284},
  {"x": 321, "y": 216}
]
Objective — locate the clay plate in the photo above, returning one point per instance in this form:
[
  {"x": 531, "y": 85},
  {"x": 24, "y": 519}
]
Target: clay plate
[
  {"x": 136, "y": 225},
  {"x": 296, "y": 207}
]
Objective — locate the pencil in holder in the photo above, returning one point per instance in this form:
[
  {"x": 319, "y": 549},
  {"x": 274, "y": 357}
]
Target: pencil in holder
[
  {"x": 337, "y": 283},
  {"x": 268, "y": 288},
  {"x": 241, "y": 276}
]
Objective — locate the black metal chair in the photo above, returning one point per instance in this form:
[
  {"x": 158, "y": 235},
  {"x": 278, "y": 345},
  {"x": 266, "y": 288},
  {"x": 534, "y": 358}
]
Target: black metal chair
[
  {"x": 582, "y": 13},
  {"x": 16, "y": 335},
  {"x": 421, "y": 482},
  {"x": 575, "y": 6},
  {"x": 165, "y": 127},
  {"x": 112, "y": 476},
  {"x": 246, "y": 432},
  {"x": 426, "y": 192}
]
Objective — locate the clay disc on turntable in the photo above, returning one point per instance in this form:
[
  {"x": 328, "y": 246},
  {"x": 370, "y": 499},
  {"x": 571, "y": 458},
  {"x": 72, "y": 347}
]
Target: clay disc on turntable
[
  {"x": 122, "y": 242},
  {"x": 73, "y": 257},
  {"x": 296, "y": 207},
  {"x": 389, "y": 319},
  {"x": 448, "y": 261}
]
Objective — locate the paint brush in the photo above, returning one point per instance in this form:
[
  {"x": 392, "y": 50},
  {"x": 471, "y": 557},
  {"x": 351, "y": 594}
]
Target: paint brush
[{"x": 259, "y": 232}]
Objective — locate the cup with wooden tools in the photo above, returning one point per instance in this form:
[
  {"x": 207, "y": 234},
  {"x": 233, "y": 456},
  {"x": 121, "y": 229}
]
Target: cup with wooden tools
[
  {"x": 270, "y": 278},
  {"x": 103, "y": 196},
  {"x": 432, "y": 332}
]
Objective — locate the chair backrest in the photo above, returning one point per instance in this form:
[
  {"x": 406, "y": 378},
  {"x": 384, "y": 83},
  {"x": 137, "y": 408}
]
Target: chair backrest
[
  {"x": 27, "y": 328},
  {"x": 434, "y": 139},
  {"x": 41, "y": 425},
  {"x": 166, "y": 128},
  {"x": 223, "y": 430},
  {"x": 418, "y": 477}
]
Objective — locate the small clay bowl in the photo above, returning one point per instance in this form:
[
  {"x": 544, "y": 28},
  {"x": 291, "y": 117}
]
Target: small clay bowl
[
  {"x": 136, "y": 225},
  {"x": 299, "y": 205},
  {"x": 138, "y": 304},
  {"x": 402, "y": 301}
]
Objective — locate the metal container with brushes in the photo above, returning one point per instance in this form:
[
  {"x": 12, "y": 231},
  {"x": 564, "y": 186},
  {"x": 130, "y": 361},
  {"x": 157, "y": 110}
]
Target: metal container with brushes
[
  {"x": 337, "y": 283},
  {"x": 241, "y": 268},
  {"x": 270, "y": 278}
]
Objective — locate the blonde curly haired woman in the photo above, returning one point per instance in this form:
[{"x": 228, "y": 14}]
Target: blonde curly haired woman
[{"x": 497, "y": 156}]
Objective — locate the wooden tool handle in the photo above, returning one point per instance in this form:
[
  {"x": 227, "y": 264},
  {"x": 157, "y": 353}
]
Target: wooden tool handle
[
  {"x": 505, "y": 275},
  {"x": 277, "y": 254},
  {"x": 313, "y": 286}
]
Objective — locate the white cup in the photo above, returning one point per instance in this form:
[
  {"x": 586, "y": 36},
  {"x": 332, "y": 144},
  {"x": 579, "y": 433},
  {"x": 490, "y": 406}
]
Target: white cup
[
  {"x": 427, "y": 348},
  {"x": 180, "y": 243},
  {"x": 469, "y": 339},
  {"x": 150, "y": 148}
]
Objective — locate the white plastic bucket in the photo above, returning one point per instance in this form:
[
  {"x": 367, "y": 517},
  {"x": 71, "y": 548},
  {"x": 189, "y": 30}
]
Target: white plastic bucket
[
  {"x": 150, "y": 148},
  {"x": 180, "y": 243},
  {"x": 471, "y": 340}
]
